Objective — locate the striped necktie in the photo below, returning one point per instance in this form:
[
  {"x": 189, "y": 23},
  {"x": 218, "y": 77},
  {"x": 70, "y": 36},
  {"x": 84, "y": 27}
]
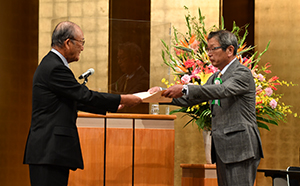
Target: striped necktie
[{"x": 125, "y": 84}]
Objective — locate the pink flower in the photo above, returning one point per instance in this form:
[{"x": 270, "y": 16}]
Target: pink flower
[
  {"x": 268, "y": 91},
  {"x": 185, "y": 79},
  {"x": 261, "y": 77},
  {"x": 273, "y": 104},
  {"x": 195, "y": 73}
]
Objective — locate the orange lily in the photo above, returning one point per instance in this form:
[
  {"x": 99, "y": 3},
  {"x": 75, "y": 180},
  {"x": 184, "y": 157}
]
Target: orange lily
[
  {"x": 186, "y": 44},
  {"x": 242, "y": 47},
  {"x": 182, "y": 68}
]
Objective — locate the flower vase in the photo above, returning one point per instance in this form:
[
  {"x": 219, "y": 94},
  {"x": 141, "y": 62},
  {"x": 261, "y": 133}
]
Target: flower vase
[{"x": 207, "y": 145}]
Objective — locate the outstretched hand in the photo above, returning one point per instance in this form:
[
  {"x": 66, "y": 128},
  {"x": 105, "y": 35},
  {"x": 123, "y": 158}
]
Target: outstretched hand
[
  {"x": 154, "y": 89},
  {"x": 173, "y": 92},
  {"x": 129, "y": 100}
]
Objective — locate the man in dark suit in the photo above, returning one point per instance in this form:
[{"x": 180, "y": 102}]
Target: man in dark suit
[
  {"x": 236, "y": 144},
  {"x": 53, "y": 146}
]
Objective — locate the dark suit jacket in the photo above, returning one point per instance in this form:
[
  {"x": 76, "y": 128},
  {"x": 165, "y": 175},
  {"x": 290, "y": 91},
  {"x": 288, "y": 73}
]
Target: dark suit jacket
[
  {"x": 234, "y": 129},
  {"x": 56, "y": 97}
]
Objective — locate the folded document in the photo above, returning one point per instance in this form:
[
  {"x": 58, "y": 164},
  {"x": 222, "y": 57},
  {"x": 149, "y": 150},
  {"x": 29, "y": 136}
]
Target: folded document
[{"x": 153, "y": 98}]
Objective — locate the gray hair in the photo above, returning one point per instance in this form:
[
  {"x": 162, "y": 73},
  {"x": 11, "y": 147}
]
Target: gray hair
[
  {"x": 225, "y": 39},
  {"x": 63, "y": 31}
]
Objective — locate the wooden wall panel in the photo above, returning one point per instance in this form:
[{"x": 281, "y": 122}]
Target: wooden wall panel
[
  {"x": 92, "y": 145},
  {"x": 119, "y": 152},
  {"x": 242, "y": 13},
  {"x": 18, "y": 61},
  {"x": 119, "y": 157},
  {"x": 154, "y": 157},
  {"x": 152, "y": 154}
]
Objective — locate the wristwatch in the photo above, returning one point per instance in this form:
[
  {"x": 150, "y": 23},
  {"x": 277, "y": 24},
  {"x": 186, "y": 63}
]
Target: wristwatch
[{"x": 184, "y": 89}]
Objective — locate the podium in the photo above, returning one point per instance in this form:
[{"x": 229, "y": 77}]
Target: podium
[
  {"x": 125, "y": 149},
  {"x": 199, "y": 175}
]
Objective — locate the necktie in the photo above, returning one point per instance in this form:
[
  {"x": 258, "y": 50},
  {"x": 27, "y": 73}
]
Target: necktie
[{"x": 125, "y": 84}]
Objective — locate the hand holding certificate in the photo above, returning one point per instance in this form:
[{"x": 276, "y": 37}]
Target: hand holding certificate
[{"x": 155, "y": 97}]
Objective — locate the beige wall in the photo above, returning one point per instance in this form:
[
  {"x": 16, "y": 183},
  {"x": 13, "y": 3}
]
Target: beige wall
[
  {"x": 91, "y": 16},
  {"x": 278, "y": 21}
]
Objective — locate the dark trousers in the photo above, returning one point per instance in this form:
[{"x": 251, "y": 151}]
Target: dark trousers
[
  {"x": 48, "y": 175},
  {"x": 237, "y": 174}
]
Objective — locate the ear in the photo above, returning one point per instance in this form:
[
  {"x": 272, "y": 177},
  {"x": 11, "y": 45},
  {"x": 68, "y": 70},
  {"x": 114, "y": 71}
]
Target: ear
[
  {"x": 67, "y": 43},
  {"x": 230, "y": 50}
]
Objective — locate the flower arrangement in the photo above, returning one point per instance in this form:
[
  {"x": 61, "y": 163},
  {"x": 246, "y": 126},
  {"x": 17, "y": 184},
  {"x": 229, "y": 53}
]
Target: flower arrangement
[{"x": 190, "y": 64}]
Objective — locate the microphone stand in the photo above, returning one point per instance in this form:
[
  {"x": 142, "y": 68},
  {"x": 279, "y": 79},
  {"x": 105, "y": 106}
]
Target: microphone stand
[{"x": 85, "y": 80}]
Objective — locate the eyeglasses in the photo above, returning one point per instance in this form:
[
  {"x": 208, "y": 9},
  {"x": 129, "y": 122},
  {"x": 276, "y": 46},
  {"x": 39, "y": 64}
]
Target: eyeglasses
[
  {"x": 82, "y": 41},
  {"x": 212, "y": 49}
]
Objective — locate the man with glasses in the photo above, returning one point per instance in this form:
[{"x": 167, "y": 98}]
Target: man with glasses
[
  {"x": 236, "y": 144},
  {"x": 53, "y": 146}
]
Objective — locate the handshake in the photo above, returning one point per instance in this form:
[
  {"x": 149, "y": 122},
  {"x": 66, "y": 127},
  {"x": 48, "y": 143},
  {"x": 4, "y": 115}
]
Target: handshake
[{"x": 130, "y": 100}]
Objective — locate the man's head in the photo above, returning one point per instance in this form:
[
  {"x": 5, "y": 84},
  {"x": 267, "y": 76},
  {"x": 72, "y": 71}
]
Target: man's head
[
  {"x": 68, "y": 39},
  {"x": 129, "y": 57},
  {"x": 222, "y": 48}
]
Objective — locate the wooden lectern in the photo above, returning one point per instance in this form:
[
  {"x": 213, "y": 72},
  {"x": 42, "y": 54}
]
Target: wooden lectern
[
  {"x": 125, "y": 149},
  {"x": 199, "y": 175}
]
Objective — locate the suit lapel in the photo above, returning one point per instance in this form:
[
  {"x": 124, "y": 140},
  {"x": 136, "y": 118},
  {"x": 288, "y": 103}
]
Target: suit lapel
[{"x": 230, "y": 70}]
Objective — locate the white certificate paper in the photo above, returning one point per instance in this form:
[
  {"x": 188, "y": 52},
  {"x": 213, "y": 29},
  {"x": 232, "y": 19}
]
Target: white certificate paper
[{"x": 153, "y": 98}]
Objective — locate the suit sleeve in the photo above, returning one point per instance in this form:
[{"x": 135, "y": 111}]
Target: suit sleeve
[
  {"x": 63, "y": 83},
  {"x": 237, "y": 84},
  {"x": 186, "y": 101}
]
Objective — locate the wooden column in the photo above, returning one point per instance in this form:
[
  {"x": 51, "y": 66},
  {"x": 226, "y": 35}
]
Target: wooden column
[{"x": 18, "y": 61}]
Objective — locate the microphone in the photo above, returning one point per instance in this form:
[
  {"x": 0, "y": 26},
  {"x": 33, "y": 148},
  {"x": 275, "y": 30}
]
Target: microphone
[{"x": 87, "y": 73}]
